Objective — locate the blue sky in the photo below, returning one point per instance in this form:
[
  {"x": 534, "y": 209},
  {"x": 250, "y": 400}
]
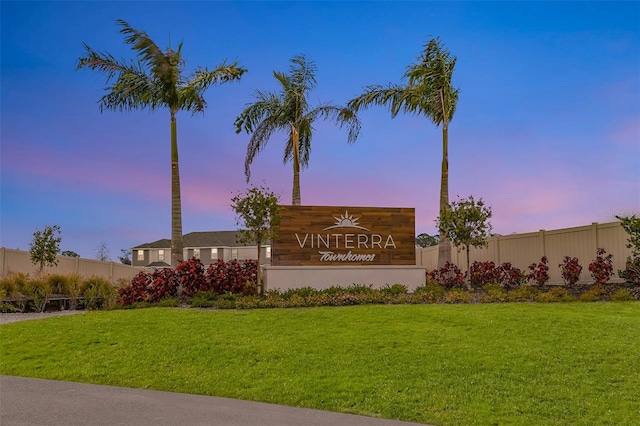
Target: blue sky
[{"x": 547, "y": 127}]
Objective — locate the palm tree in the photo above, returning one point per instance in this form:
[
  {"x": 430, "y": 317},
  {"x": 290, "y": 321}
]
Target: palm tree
[
  {"x": 156, "y": 81},
  {"x": 289, "y": 110},
  {"x": 428, "y": 92}
]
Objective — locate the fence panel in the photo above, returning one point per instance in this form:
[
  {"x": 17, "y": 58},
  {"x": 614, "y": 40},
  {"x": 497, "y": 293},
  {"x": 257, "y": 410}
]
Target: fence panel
[
  {"x": 16, "y": 261},
  {"x": 524, "y": 249}
]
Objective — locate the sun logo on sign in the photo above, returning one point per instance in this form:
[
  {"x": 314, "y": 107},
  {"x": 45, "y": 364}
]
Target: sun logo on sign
[{"x": 346, "y": 221}]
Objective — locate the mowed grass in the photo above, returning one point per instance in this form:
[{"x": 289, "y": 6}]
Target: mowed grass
[{"x": 528, "y": 364}]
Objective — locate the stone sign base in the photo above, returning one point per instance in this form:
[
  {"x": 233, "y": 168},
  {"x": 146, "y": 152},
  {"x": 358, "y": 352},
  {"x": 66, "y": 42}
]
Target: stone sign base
[{"x": 321, "y": 277}]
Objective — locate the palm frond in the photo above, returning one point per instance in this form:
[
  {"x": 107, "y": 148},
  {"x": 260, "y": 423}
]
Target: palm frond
[
  {"x": 391, "y": 96},
  {"x": 105, "y": 62},
  {"x": 257, "y": 143},
  {"x": 268, "y": 105}
]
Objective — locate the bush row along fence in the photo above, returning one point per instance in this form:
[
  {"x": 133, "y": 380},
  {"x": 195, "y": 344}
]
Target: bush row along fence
[
  {"x": 524, "y": 249},
  {"x": 519, "y": 249},
  {"x": 17, "y": 261}
]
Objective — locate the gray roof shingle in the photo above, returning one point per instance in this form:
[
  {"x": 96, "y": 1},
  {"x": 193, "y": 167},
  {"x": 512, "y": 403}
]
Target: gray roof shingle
[{"x": 200, "y": 239}]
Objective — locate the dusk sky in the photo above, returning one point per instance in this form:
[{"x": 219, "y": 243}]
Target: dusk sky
[{"x": 546, "y": 131}]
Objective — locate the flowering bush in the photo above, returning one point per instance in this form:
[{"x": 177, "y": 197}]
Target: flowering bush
[
  {"x": 509, "y": 276},
  {"x": 570, "y": 269},
  {"x": 191, "y": 276},
  {"x": 539, "y": 274},
  {"x": 233, "y": 277},
  {"x": 164, "y": 283},
  {"x": 221, "y": 278},
  {"x": 137, "y": 290},
  {"x": 602, "y": 267},
  {"x": 483, "y": 273},
  {"x": 449, "y": 276}
]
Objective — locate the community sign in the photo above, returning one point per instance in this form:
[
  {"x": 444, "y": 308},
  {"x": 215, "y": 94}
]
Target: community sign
[{"x": 332, "y": 236}]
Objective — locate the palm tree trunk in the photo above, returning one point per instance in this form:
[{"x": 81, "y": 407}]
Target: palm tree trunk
[
  {"x": 444, "y": 245},
  {"x": 177, "y": 245},
  {"x": 296, "y": 167}
]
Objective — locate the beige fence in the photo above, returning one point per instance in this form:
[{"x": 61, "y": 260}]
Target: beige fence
[
  {"x": 20, "y": 261},
  {"x": 524, "y": 249}
]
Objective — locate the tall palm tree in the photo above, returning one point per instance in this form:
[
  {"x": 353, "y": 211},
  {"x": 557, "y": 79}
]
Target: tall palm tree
[
  {"x": 156, "y": 81},
  {"x": 289, "y": 110},
  {"x": 428, "y": 92}
]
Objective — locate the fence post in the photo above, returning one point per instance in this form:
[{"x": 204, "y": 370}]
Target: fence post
[
  {"x": 594, "y": 236},
  {"x": 542, "y": 246},
  {"x": 2, "y": 254}
]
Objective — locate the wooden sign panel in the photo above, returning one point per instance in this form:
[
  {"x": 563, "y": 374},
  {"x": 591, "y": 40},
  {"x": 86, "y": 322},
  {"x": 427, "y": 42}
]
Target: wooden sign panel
[{"x": 331, "y": 236}]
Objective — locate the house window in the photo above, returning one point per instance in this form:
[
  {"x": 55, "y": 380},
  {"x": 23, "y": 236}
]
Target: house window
[
  {"x": 234, "y": 253},
  {"x": 268, "y": 252},
  {"x": 161, "y": 255},
  {"x": 140, "y": 255},
  {"x": 196, "y": 253},
  {"x": 214, "y": 254}
]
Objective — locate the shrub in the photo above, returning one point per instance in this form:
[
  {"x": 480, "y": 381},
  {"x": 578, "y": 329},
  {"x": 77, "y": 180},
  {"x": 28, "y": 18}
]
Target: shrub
[
  {"x": 622, "y": 295},
  {"x": 169, "y": 302},
  {"x": 594, "y": 294},
  {"x": 493, "y": 293},
  {"x": 557, "y": 294},
  {"x": 394, "y": 290},
  {"x": 509, "y": 276},
  {"x": 191, "y": 277},
  {"x": 15, "y": 285},
  {"x": 295, "y": 301},
  {"x": 38, "y": 292},
  {"x": 431, "y": 292},
  {"x": 98, "y": 293},
  {"x": 4, "y": 306},
  {"x": 203, "y": 299},
  {"x": 58, "y": 283},
  {"x": 602, "y": 267},
  {"x": 524, "y": 293},
  {"x": 539, "y": 274},
  {"x": 360, "y": 289},
  {"x": 483, "y": 273},
  {"x": 302, "y": 291},
  {"x": 631, "y": 273},
  {"x": 248, "y": 302},
  {"x": 162, "y": 284},
  {"x": 74, "y": 290},
  {"x": 449, "y": 276},
  {"x": 570, "y": 269},
  {"x": 137, "y": 290},
  {"x": 233, "y": 277},
  {"x": 457, "y": 295}
]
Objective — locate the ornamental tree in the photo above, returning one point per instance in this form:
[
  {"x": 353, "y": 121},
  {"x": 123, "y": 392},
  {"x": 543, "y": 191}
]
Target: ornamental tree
[
  {"x": 632, "y": 227},
  {"x": 45, "y": 246},
  {"x": 466, "y": 224},
  {"x": 426, "y": 240},
  {"x": 257, "y": 214}
]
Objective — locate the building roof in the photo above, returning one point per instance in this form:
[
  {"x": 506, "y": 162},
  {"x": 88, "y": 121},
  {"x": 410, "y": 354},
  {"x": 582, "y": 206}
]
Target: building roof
[{"x": 200, "y": 239}]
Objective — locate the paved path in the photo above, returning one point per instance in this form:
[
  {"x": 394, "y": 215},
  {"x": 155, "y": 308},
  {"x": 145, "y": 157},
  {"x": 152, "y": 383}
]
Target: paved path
[{"x": 34, "y": 402}]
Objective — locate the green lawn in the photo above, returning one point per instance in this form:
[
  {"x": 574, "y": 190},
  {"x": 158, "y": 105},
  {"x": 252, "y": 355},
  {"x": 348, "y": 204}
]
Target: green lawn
[{"x": 485, "y": 364}]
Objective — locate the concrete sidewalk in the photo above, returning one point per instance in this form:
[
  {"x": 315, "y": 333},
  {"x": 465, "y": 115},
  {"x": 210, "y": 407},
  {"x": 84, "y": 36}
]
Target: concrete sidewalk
[{"x": 26, "y": 401}]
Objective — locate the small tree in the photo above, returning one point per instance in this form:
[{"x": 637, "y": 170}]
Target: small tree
[
  {"x": 45, "y": 246},
  {"x": 125, "y": 258},
  {"x": 102, "y": 252},
  {"x": 631, "y": 225},
  {"x": 466, "y": 223},
  {"x": 257, "y": 213},
  {"x": 69, "y": 253},
  {"x": 426, "y": 240}
]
